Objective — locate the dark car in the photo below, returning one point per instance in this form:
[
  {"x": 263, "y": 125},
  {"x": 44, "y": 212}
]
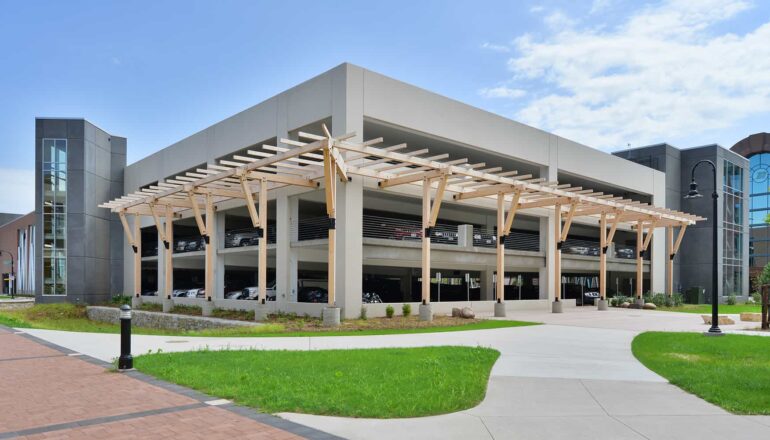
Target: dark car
[
  {"x": 195, "y": 245},
  {"x": 313, "y": 295},
  {"x": 625, "y": 253},
  {"x": 590, "y": 298}
]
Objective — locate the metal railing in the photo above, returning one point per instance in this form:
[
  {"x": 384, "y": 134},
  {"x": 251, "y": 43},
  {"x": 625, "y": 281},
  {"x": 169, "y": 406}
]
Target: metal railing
[
  {"x": 517, "y": 240},
  {"x": 576, "y": 246},
  {"x": 406, "y": 230}
]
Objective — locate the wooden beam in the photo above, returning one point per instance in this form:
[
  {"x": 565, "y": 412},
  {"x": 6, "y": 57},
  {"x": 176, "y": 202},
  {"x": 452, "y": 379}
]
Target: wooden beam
[
  {"x": 127, "y": 230},
  {"x": 679, "y": 238},
  {"x": 409, "y": 178},
  {"x": 211, "y": 248},
  {"x": 557, "y": 252},
  {"x": 161, "y": 232},
  {"x": 648, "y": 238},
  {"x": 168, "y": 280},
  {"x": 137, "y": 247},
  {"x": 262, "y": 263},
  {"x": 197, "y": 213},
  {"x": 568, "y": 221},
  {"x": 639, "y": 260},
  {"x": 426, "y": 212},
  {"x": 330, "y": 181},
  {"x": 670, "y": 260},
  {"x": 255, "y": 220},
  {"x": 437, "y": 200},
  {"x": 500, "y": 251},
  {"x": 555, "y": 201},
  {"x": 488, "y": 191},
  {"x": 339, "y": 163},
  {"x": 511, "y": 212},
  {"x": 603, "y": 256},
  {"x": 616, "y": 219}
]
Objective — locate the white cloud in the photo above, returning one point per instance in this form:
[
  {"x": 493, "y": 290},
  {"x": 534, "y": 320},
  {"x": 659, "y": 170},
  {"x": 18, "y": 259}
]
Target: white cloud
[
  {"x": 17, "y": 190},
  {"x": 536, "y": 9},
  {"x": 502, "y": 92},
  {"x": 600, "y": 6},
  {"x": 495, "y": 47},
  {"x": 662, "y": 73}
]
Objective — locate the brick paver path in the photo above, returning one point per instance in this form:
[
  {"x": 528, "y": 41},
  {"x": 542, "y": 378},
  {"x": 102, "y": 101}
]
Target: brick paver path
[{"x": 46, "y": 393}]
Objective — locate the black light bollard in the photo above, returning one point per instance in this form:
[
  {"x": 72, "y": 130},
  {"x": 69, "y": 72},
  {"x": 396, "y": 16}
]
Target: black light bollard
[{"x": 125, "y": 361}]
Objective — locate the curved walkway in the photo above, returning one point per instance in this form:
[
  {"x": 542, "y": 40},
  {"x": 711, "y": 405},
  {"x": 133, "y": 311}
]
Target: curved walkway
[{"x": 574, "y": 378}]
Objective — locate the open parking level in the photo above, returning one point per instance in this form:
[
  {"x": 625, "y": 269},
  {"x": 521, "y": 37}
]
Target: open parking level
[{"x": 574, "y": 377}]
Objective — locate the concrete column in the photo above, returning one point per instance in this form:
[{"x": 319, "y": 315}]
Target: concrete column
[
  {"x": 488, "y": 284},
  {"x": 348, "y": 116},
  {"x": 547, "y": 235},
  {"x": 161, "y": 263},
  {"x": 219, "y": 262},
  {"x": 285, "y": 221},
  {"x": 465, "y": 236}
]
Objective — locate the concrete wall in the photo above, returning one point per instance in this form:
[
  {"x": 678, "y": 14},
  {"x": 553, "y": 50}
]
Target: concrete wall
[{"x": 349, "y": 96}]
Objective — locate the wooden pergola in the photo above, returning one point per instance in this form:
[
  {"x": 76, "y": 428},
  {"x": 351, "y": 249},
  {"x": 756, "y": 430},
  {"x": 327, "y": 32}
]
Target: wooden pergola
[{"x": 322, "y": 158}]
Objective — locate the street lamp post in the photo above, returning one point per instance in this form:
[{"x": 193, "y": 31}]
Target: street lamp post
[{"x": 693, "y": 194}]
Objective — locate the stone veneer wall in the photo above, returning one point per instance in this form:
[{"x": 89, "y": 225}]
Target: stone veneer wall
[{"x": 162, "y": 320}]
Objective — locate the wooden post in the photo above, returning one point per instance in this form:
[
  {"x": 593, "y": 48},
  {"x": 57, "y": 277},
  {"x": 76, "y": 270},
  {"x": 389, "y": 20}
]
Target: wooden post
[
  {"x": 500, "y": 285},
  {"x": 137, "y": 256},
  {"x": 262, "y": 275},
  {"x": 603, "y": 256},
  {"x": 169, "y": 239},
  {"x": 639, "y": 259},
  {"x": 426, "y": 241},
  {"x": 330, "y": 180},
  {"x": 210, "y": 248},
  {"x": 670, "y": 260},
  {"x": 557, "y": 252}
]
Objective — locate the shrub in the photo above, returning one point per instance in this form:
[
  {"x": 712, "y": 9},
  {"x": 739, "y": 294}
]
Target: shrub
[
  {"x": 675, "y": 300},
  {"x": 732, "y": 300},
  {"x": 757, "y": 297},
  {"x": 363, "y": 313},
  {"x": 406, "y": 309},
  {"x": 119, "y": 300},
  {"x": 617, "y": 300},
  {"x": 389, "y": 311}
]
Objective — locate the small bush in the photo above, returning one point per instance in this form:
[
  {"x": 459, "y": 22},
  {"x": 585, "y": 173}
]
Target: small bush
[
  {"x": 616, "y": 301},
  {"x": 757, "y": 297},
  {"x": 119, "y": 300},
  {"x": 732, "y": 300},
  {"x": 675, "y": 300},
  {"x": 406, "y": 309},
  {"x": 389, "y": 311},
  {"x": 363, "y": 313}
]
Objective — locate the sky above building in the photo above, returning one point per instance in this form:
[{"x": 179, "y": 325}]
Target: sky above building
[{"x": 608, "y": 73}]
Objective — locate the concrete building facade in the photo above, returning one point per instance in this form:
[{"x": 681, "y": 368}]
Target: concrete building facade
[
  {"x": 83, "y": 255},
  {"x": 692, "y": 267}
]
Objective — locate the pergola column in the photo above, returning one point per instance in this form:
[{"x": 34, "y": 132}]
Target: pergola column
[
  {"x": 425, "y": 243},
  {"x": 168, "y": 244},
  {"x": 556, "y": 307},
  {"x": 602, "y": 305},
  {"x": 209, "y": 235},
  {"x": 673, "y": 248},
  {"x": 134, "y": 238},
  {"x": 500, "y": 285},
  {"x": 262, "y": 234},
  {"x": 639, "y": 261}
]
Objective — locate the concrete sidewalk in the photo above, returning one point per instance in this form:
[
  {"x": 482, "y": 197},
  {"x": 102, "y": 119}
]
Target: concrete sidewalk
[
  {"x": 49, "y": 392},
  {"x": 574, "y": 378}
]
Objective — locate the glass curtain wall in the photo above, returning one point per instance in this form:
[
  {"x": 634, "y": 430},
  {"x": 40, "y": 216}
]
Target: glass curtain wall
[
  {"x": 759, "y": 248},
  {"x": 54, "y": 216},
  {"x": 732, "y": 230}
]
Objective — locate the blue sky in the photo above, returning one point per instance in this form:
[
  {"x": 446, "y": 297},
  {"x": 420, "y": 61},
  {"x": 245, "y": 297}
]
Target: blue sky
[{"x": 606, "y": 73}]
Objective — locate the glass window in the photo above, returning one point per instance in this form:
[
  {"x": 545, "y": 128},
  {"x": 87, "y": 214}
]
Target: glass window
[
  {"x": 54, "y": 216},
  {"x": 732, "y": 227}
]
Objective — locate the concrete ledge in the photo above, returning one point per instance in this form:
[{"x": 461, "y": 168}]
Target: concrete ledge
[
  {"x": 162, "y": 320},
  {"x": 17, "y": 303},
  {"x": 751, "y": 317}
]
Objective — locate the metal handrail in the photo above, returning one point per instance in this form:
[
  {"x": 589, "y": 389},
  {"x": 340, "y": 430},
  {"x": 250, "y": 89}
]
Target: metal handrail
[{"x": 517, "y": 240}]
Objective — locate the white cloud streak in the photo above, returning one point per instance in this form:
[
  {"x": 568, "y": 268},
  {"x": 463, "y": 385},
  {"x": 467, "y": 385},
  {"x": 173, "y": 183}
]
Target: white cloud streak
[
  {"x": 17, "y": 190},
  {"x": 502, "y": 92},
  {"x": 661, "y": 74}
]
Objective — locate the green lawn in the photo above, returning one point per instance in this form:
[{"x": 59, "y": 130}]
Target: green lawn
[
  {"x": 379, "y": 383},
  {"x": 705, "y": 309},
  {"x": 732, "y": 371},
  {"x": 69, "y": 317}
]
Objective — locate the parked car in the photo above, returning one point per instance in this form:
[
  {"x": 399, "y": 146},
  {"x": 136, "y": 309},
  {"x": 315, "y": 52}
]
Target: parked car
[
  {"x": 252, "y": 292},
  {"x": 180, "y": 245},
  {"x": 236, "y": 294},
  {"x": 370, "y": 298},
  {"x": 578, "y": 250},
  {"x": 195, "y": 245},
  {"x": 196, "y": 293},
  {"x": 150, "y": 293},
  {"x": 241, "y": 238},
  {"x": 590, "y": 297},
  {"x": 625, "y": 253},
  {"x": 594, "y": 251},
  {"x": 485, "y": 239},
  {"x": 313, "y": 295},
  {"x": 180, "y": 293}
]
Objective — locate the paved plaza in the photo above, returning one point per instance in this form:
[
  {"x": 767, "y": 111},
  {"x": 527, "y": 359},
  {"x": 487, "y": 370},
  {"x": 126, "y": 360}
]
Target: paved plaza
[{"x": 574, "y": 377}]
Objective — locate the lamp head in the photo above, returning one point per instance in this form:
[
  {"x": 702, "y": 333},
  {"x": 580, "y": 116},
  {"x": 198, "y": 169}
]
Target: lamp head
[{"x": 693, "y": 194}]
